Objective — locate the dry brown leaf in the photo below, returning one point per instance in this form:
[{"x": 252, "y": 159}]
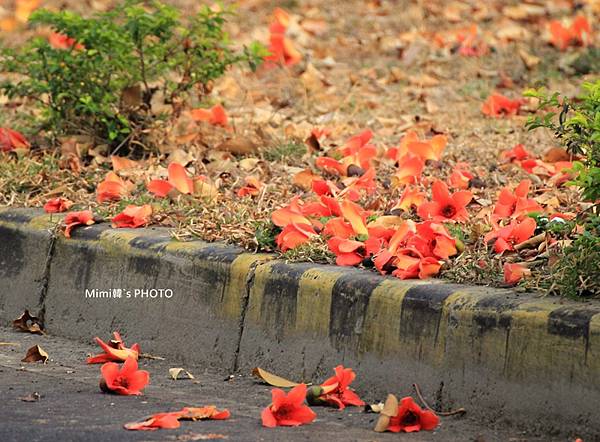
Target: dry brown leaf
[
  {"x": 238, "y": 146},
  {"x": 122, "y": 163},
  {"x": 35, "y": 354},
  {"x": 273, "y": 379},
  {"x": 529, "y": 60},
  {"x": 28, "y": 323},
  {"x": 555, "y": 154},
  {"x": 390, "y": 409},
  {"x": 175, "y": 372},
  {"x": 423, "y": 80}
]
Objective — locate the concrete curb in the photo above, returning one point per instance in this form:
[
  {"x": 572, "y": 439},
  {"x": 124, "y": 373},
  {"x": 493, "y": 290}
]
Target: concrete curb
[{"x": 503, "y": 355}]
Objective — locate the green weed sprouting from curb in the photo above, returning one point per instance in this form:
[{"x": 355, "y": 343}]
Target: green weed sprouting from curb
[{"x": 102, "y": 82}]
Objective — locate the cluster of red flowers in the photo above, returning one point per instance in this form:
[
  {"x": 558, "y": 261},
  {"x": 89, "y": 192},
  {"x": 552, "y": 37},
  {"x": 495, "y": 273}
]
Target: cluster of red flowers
[
  {"x": 286, "y": 409},
  {"x": 578, "y": 34},
  {"x": 395, "y": 246}
]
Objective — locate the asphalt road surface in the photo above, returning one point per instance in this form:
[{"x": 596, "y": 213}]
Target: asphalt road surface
[{"x": 71, "y": 406}]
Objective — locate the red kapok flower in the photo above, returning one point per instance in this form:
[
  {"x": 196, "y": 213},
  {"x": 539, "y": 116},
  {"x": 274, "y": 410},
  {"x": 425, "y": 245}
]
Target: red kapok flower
[
  {"x": 336, "y": 390},
  {"x": 518, "y": 153},
  {"x": 409, "y": 170},
  {"x": 513, "y": 273},
  {"x": 216, "y": 115},
  {"x": 167, "y": 421},
  {"x": 497, "y": 105},
  {"x": 126, "y": 380},
  {"x": 288, "y": 409},
  {"x": 347, "y": 251},
  {"x": 515, "y": 203},
  {"x": 114, "y": 351},
  {"x": 460, "y": 177},
  {"x": 252, "y": 187},
  {"x": 579, "y": 33},
  {"x": 411, "y": 418},
  {"x": 57, "y": 205},
  {"x": 293, "y": 235},
  {"x": 410, "y": 198},
  {"x": 113, "y": 188},
  {"x": 73, "y": 219},
  {"x": 445, "y": 206},
  {"x": 133, "y": 216},
  {"x": 178, "y": 179},
  {"x": 509, "y": 236},
  {"x": 282, "y": 50},
  {"x": 62, "y": 41},
  {"x": 11, "y": 139}
]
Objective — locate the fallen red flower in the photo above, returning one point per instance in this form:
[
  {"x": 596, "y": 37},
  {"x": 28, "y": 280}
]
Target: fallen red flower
[
  {"x": 336, "y": 390},
  {"x": 513, "y": 273},
  {"x": 126, "y": 380},
  {"x": 113, "y": 188},
  {"x": 114, "y": 351},
  {"x": 579, "y": 33},
  {"x": 74, "y": 219},
  {"x": 518, "y": 153},
  {"x": 216, "y": 115},
  {"x": 287, "y": 409},
  {"x": 178, "y": 179},
  {"x": 57, "y": 205},
  {"x": 445, "y": 206},
  {"x": 171, "y": 420},
  {"x": 133, "y": 217},
  {"x": 11, "y": 140},
  {"x": 411, "y": 418},
  {"x": 498, "y": 105},
  {"x": 156, "y": 421},
  {"x": 515, "y": 203},
  {"x": 515, "y": 233},
  {"x": 252, "y": 187},
  {"x": 410, "y": 199},
  {"x": 293, "y": 235}
]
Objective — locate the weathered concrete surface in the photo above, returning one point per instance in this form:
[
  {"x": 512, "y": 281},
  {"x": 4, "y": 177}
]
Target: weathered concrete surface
[
  {"x": 73, "y": 409},
  {"x": 506, "y": 356}
]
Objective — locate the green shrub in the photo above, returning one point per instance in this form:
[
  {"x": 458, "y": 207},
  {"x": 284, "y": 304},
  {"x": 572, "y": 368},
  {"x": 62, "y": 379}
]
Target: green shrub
[
  {"x": 576, "y": 123},
  {"x": 104, "y": 88}
]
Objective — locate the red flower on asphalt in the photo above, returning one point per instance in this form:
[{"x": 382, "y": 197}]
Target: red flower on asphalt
[
  {"x": 445, "y": 206},
  {"x": 114, "y": 351},
  {"x": 171, "y": 420},
  {"x": 411, "y": 418},
  {"x": 57, "y": 205},
  {"x": 125, "y": 380},
  {"x": 513, "y": 273},
  {"x": 74, "y": 219},
  {"x": 338, "y": 389},
  {"x": 288, "y": 409},
  {"x": 167, "y": 421},
  {"x": 11, "y": 140},
  {"x": 497, "y": 105},
  {"x": 133, "y": 216},
  {"x": 509, "y": 236}
]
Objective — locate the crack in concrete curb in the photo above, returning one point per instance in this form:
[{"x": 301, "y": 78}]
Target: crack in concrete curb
[
  {"x": 45, "y": 280},
  {"x": 245, "y": 303}
]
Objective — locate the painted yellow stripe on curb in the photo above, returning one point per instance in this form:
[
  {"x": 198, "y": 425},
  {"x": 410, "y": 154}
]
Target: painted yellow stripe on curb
[
  {"x": 235, "y": 288},
  {"x": 313, "y": 303},
  {"x": 381, "y": 329},
  {"x": 257, "y": 291}
]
